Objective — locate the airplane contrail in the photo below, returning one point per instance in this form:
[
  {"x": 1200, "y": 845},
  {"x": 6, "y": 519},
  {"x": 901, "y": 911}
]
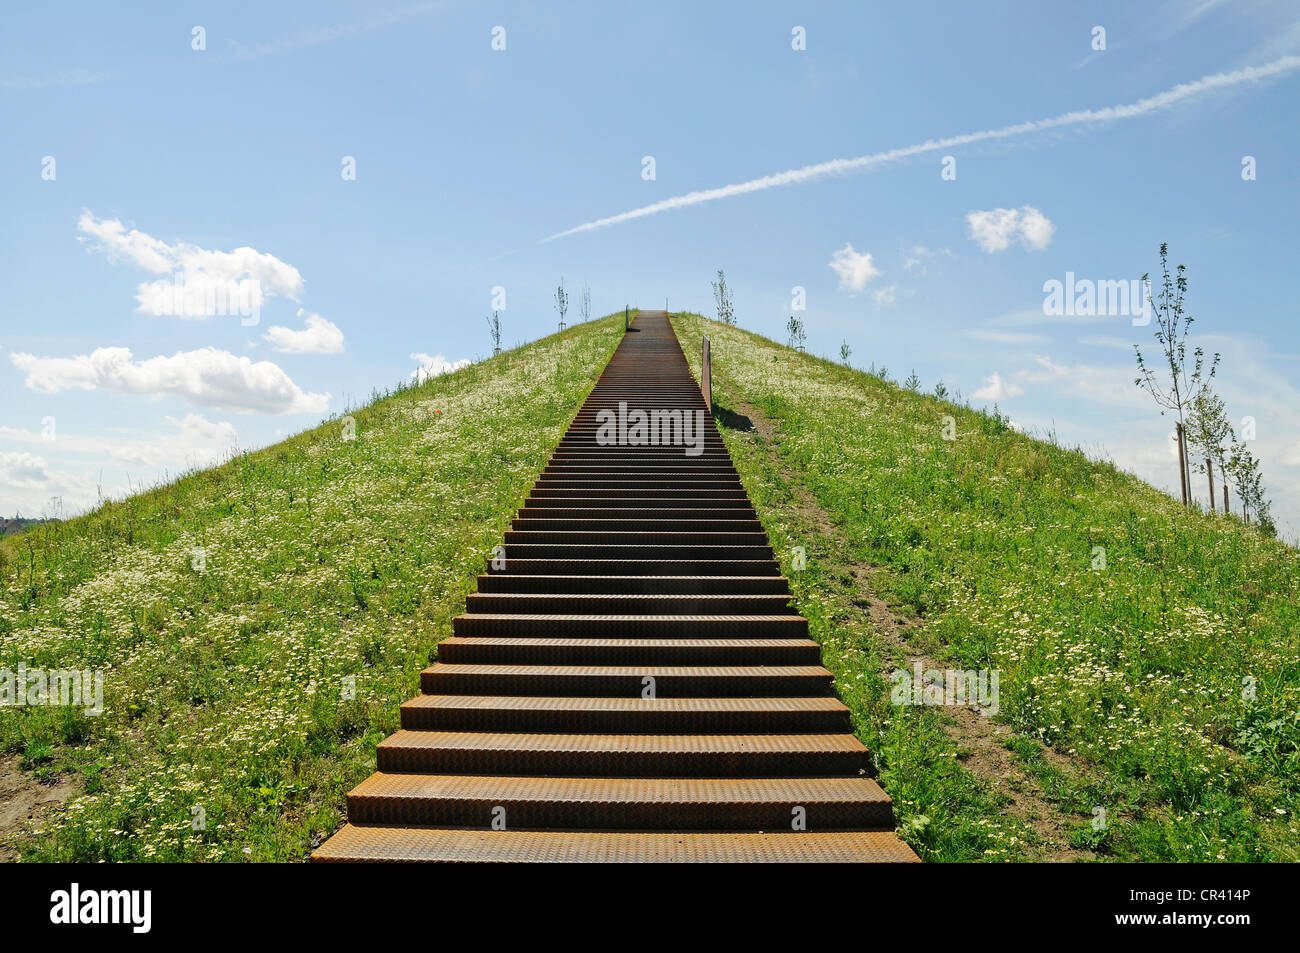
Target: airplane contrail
[{"x": 1170, "y": 96}]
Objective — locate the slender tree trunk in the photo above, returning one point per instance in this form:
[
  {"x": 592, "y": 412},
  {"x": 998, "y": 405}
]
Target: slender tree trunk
[
  {"x": 1209, "y": 472},
  {"x": 1225, "y": 494},
  {"x": 1182, "y": 462}
]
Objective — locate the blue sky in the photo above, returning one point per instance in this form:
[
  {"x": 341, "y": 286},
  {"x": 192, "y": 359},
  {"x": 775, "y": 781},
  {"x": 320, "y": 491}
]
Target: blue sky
[{"x": 225, "y": 164}]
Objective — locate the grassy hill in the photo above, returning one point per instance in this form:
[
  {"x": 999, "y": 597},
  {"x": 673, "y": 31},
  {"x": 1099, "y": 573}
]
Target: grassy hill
[
  {"x": 1163, "y": 688},
  {"x": 259, "y": 623},
  {"x": 234, "y": 611}
]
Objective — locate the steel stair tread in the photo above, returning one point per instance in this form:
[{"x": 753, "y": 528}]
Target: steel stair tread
[{"x": 429, "y": 844}]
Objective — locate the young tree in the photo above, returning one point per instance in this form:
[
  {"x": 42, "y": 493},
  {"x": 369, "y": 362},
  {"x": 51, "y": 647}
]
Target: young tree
[
  {"x": 797, "y": 337},
  {"x": 1244, "y": 467},
  {"x": 1176, "y": 393},
  {"x": 913, "y": 383},
  {"x": 584, "y": 303},
  {"x": 941, "y": 390},
  {"x": 561, "y": 302},
  {"x": 1209, "y": 435},
  {"x": 845, "y": 352},
  {"x": 722, "y": 295},
  {"x": 494, "y": 329}
]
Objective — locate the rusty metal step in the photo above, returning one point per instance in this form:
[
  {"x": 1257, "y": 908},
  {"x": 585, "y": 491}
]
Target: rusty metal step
[
  {"x": 631, "y": 626},
  {"x": 646, "y": 567},
  {"x": 634, "y": 585},
  {"x": 624, "y": 755},
  {"x": 527, "y": 522},
  {"x": 632, "y": 715},
  {"x": 459, "y": 845},
  {"x": 626, "y": 603},
  {"x": 613, "y": 498},
  {"x": 736, "y": 507},
  {"x": 676, "y": 460},
  {"x": 607, "y": 651},
  {"x": 628, "y": 681},
  {"x": 649, "y": 551},
  {"x": 683, "y": 537},
  {"x": 594, "y": 451},
  {"x": 628, "y": 515},
  {"x": 734, "y": 804}
]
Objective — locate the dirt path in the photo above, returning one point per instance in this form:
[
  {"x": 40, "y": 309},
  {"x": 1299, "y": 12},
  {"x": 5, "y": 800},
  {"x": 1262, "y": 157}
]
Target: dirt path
[
  {"x": 24, "y": 801},
  {"x": 981, "y": 741}
]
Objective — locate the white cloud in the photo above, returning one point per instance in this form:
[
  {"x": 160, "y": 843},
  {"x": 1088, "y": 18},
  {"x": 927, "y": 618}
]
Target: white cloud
[
  {"x": 1050, "y": 370},
  {"x": 23, "y": 470},
  {"x": 995, "y": 388},
  {"x": 884, "y": 297},
  {"x": 1111, "y": 384},
  {"x": 1163, "y": 100},
  {"x": 319, "y": 337},
  {"x": 193, "y": 441},
  {"x": 1036, "y": 229},
  {"x": 915, "y": 258},
  {"x": 434, "y": 366},
  {"x": 994, "y": 229},
  {"x": 201, "y": 282},
  {"x": 207, "y": 376},
  {"x": 855, "y": 269}
]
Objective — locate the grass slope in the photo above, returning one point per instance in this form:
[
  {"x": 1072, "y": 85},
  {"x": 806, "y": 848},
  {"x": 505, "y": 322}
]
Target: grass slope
[
  {"x": 326, "y": 563},
  {"x": 1141, "y": 674}
]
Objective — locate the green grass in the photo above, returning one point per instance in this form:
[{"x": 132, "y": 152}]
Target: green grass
[
  {"x": 327, "y": 563},
  {"x": 1140, "y": 672},
  {"x": 330, "y": 562}
]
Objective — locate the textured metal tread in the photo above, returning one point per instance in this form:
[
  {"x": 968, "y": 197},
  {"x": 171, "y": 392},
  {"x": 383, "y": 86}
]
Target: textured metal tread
[
  {"x": 637, "y": 671},
  {"x": 621, "y": 803},
  {"x": 649, "y": 790},
  {"x": 616, "y": 618},
  {"x": 580, "y": 703},
  {"x": 628, "y": 713},
  {"x": 674, "y": 744},
  {"x": 611, "y": 651},
  {"x": 410, "y": 844},
  {"x": 583, "y": 603},
  {"x": 633, "y": 585},
  {"x": 489, "y": 640},
  {"x": 569, "y": 625},
  {"x": 551, "y": 565},
  {"x": 624, "y": 755}
]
